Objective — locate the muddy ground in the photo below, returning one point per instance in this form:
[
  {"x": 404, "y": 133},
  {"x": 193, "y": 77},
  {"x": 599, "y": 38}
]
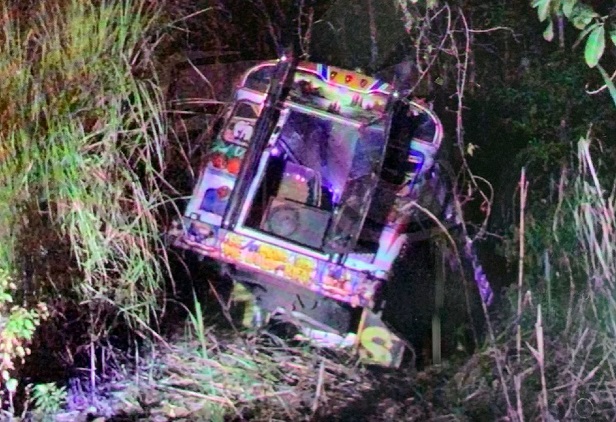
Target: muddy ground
[{"x": 282, "y": 383}]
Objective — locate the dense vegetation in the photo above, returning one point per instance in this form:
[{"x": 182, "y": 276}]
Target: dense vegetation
[
  {"x": 82, "y": 135},
  {"x": 88, "y": 178}
]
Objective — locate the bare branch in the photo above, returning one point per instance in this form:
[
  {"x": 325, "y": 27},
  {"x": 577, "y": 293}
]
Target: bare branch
[
  {"x": 374, "y": 47},
  {"x": 601, "y": 88},
  {"x": 270, "y": 26},
  {"x": 305, "y": 37},
  {"x": 496, "y": 28}
]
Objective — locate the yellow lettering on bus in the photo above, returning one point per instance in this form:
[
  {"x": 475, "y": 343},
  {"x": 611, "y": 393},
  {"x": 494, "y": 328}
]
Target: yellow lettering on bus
[{"x": 376, "y": 344}]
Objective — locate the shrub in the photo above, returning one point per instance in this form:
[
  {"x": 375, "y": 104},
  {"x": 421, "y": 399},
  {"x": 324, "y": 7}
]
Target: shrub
[{"x": 82, "y": 135}]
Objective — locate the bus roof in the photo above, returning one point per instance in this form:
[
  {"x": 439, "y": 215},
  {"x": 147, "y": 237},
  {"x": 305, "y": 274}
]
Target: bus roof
[{"x": 328, "y": 88}]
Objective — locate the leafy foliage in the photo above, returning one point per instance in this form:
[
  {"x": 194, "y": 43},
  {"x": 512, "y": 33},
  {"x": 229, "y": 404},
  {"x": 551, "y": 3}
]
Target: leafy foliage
[
  {"x": 82, "y": 136},
  {"x": 595, "y": 45},
  {"x": 48, "y": 398},
  {"x": 596, "y": 28},
  {"x": 17, "y": 330}
]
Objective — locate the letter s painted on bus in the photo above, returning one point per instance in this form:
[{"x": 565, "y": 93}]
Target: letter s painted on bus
[{"x": 375, "y": 345}]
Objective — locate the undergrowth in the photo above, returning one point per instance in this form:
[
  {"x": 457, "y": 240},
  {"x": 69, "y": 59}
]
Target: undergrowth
[
  {"x": 556, "y": 328},
  {"x": 82, "y": 135}
]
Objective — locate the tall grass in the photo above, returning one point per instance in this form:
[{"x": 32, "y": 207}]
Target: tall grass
[
  {"x": 567, "y": 365},
  {"x": 594, "y": 216},
  {"x": 82, "y": 136}
]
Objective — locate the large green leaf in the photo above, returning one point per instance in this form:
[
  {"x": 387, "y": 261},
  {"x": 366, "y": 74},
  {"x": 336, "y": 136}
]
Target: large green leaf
[
  {"x": 582, "y": 15},
  {"x": 595, "y": 46},
  {"x": 608, "y": 82},
  {"x": 613, "y": 36},
  {"x": 585, "y": 32},
  {"x": 568, "y": 7},
  {"x": 543, "y": 6}
]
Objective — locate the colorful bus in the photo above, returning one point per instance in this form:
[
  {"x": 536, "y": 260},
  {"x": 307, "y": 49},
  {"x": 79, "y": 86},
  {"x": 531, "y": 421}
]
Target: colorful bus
[{"x": 306, "y": 197}]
